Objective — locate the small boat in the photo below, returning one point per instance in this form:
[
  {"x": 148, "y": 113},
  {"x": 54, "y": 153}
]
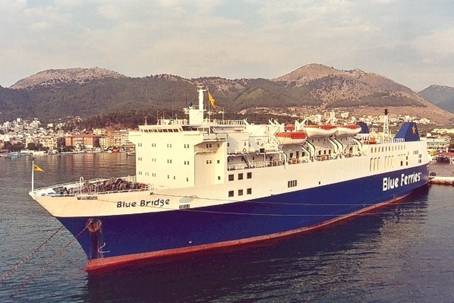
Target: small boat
[
  {"x": 296, "y": 137},
  {"x": 348, "y": 130},
  {"x": 324, "y": 130}
]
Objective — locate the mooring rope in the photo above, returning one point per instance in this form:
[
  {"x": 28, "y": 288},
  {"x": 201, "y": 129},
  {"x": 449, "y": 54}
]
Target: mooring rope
[
  {"x": 58, "y": 254},
  {"x": 5, "y": 275}
]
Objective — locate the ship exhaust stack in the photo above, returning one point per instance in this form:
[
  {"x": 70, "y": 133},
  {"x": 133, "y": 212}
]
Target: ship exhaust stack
[{"x": 196, "y": 115}]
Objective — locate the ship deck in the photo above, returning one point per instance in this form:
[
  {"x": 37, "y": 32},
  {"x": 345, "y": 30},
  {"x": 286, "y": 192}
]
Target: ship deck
[{"x": 97, "y": 186}]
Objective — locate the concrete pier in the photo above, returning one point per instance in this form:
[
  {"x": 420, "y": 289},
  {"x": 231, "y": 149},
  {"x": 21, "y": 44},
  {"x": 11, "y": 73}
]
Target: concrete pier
[{"x": 442, "y": 180}]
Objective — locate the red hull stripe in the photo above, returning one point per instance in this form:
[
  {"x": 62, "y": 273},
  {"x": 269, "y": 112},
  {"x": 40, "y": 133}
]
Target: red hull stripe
[{"x": 104, "y": 263}]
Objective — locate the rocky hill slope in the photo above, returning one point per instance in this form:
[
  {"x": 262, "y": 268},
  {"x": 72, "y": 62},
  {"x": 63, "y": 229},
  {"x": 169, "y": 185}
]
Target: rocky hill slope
[
  {"x": 57, "y": 77},
  {"x": 441, "y": 96},
  {"x": 312, "y": 87}
]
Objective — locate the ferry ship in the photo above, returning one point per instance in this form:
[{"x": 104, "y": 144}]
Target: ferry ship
[{"x": 204, "y": 184}]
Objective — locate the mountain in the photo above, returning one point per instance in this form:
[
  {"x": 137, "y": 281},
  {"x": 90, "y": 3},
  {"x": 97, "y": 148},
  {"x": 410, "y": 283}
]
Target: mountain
[
  {"x": 308, "y": 89},
  {"x": 337, "y": 88},
  {"x": 55, "y": 77},
  {"x": 441, "y": 96}
]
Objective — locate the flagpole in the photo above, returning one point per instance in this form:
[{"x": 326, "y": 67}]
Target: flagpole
[{"x": 33, "y": 175}]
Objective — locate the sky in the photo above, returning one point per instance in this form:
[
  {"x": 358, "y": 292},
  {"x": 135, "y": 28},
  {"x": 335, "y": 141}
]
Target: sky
[{"x": 409, "y": 41}]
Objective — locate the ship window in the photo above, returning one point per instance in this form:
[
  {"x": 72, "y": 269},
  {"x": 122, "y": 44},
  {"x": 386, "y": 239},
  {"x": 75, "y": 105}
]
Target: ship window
[
  {"x": 231, "y": 178},
  {"x": 240, "y": 176},
  {"x": 401, "y": 163},
  {"x": 208, "y": 161},
  {"x": 153, "y": 174},
  {"x": 291, "y": 183},
  {"x": 249, "y": 191},
  {"x": 139, "y": 144},
  {"x": 219, "y": 177},
  {"x": 219, "y": 161},
  {"x": 249, "y": 175},
  {"x": 240, "y": 192},
  {"x": 168, "y": 176},
  {"x": 319, "y": 152},
  {"x": 231, "y": 193}
]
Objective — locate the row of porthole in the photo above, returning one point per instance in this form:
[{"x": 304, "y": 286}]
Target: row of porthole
[
  {"x": 380, "y": 149},
  {"x": 231, "y": 193},
  {"x": 240, "y": 176}
]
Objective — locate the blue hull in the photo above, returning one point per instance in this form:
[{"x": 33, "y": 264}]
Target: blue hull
[{"x": 136, "y": 235}]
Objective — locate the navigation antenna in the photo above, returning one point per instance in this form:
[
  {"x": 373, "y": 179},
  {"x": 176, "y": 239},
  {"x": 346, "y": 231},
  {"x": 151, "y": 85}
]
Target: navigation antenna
[{"x": 385, "y": 126}]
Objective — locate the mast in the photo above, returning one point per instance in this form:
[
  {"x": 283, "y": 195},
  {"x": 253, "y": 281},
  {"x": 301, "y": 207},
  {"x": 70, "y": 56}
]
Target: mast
[
  {"x": 33, "y": 175},
  {"x": 385, "y": 126}
]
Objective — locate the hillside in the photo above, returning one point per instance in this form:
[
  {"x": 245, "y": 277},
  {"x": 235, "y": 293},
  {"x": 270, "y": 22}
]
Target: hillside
[
  {"x": 312, "y": 87},
  {"x": 441, "y": 96},
  {"x": 55, "y": 77},
  {"x": 337, "y": 88}
]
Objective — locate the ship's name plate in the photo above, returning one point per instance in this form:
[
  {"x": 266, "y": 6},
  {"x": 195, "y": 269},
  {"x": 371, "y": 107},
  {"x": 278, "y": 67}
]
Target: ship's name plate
[
  {"x": 392, "y": 183},
  {"x": 144, "y": 203}
]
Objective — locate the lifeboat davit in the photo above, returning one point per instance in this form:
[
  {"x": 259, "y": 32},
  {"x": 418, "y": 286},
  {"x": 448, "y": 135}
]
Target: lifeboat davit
[
  {"x": 348, "y": 130},
  {"x": 297, "y": 137},
  {"x": 324, "y": 130}
]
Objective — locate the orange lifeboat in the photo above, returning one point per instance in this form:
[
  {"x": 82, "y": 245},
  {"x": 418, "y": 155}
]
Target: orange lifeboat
[
  {"x": 348, "y": 130},
  {"x": 297, "y": 137},
  {"x": 324, "y": 130}
]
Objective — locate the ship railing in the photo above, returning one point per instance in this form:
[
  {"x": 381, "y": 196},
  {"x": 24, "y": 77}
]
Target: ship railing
[
  {"x": 256, "y": 164},
  {"x": 228, "y": 122},
  {"x": 214, "y": 137},
  {"x": 94, "y": 193}
]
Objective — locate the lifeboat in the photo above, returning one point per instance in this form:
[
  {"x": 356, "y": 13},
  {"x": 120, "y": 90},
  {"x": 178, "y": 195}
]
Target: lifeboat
[
  {"x": 289, "y": 127},
  {"x": 324, "y": 130},
  {"x": 348, "y": 130},
  {"x": 297, "y": 137}
]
